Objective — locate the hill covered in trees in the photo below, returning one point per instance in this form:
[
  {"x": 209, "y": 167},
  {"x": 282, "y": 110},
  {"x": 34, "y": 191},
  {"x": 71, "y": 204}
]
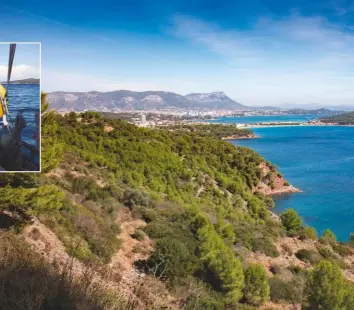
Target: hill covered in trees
[
  {"x": 341, "y": 119},
  {"x": 155, "y": 219}
]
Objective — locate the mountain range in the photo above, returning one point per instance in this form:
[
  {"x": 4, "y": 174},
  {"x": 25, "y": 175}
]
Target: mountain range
[{"x": 148, "y": 100}]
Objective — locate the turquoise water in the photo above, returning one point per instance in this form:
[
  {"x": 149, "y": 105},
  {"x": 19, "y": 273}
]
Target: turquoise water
[
  {"x": 320, "y": 161},
  {"x": 264, "y": 118}
]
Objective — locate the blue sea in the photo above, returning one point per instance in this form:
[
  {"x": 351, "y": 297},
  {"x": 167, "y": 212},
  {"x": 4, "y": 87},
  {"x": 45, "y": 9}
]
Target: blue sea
[
  {"x": 26, "y": 97},
  {"x": 320, "y": 161}
]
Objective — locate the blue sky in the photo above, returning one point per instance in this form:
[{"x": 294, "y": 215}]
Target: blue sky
[
  {"x": 26, "y": 62},
  {"x": 257, "y": 52}
]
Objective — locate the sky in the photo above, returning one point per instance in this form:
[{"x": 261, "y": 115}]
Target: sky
[
  {"x": 26, "y": 63},
  {"x": 269, "y": 52}
]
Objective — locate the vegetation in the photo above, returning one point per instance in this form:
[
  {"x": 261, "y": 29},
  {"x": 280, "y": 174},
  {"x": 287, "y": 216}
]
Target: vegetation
[
  {"x": 256, "y": 290},
  {"x": 308, "y": 233},
  {"x": 29, "y": 282},
  {"x": 291, "y": 221},
  {"x": 328, "y": 237},
  {"x": 211, "y": 130},
  {"x": 325, "y": 287},
  {"x": 341, "y": 119},
  {"x": 196, "y": 196}
]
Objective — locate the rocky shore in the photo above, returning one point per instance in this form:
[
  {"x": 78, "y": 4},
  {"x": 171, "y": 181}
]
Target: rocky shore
[
  {"x": 278, "y": 186},
  {"x": 235, "y": 137}
]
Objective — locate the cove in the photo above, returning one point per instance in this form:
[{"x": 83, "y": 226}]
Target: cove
[{"x": 320, "y": 161}]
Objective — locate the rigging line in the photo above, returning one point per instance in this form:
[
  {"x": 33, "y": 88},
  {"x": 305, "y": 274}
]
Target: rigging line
[{"x": 11, "y": 61}]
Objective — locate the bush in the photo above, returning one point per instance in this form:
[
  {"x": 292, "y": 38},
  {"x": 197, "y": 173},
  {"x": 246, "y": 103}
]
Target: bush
[
  {"x": 342, "y": 249},
  {"x": 134, "y": 198},
  {"x": 171, "y": 260},
  {"x": 291, "y": 221},
  {"x": 29, "y": 282},
  {"x": 295, "y": 269},
  {"x": 326, "y": 251},
  {"x": 282, "y": 290},
  {"x": 256, "y": 289},
  {"x": 276, "y": 269},
  {"x": 325, "y": 287},
  {"x": 287, "y": 249},
  {"x": 138, "y": 235},
  {"x": 328, "y": 237},
  {"x": 266, "y": 246},
  {"x": 308, "y": 256},
  {"x": 308, "y": 233}
]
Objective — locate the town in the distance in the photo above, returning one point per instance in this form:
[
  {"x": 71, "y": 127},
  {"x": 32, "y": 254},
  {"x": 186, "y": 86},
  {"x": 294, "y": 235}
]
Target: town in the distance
[{"x": 158, "y": 108}]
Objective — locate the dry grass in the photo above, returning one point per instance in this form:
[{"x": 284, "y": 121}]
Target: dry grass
[{"x": 28, "y": 282}]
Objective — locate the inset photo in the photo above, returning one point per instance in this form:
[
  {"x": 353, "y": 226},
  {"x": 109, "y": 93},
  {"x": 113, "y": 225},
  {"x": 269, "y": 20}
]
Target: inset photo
[{"x": 20, "y": 67}]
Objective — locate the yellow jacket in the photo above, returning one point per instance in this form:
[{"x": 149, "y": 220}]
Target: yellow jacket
[{"x": 2, "y": 95}]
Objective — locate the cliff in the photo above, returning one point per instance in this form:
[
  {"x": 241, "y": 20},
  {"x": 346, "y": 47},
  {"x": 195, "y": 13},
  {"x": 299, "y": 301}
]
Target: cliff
[{"x": 272, "y": 182}]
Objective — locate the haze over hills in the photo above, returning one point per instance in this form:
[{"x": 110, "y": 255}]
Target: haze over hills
[
  {"x": 126, "y": 100},
  {"x": 132, "y": 100},
  {"x": 24, "y": 81}
]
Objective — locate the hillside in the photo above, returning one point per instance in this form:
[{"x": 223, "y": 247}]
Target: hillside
[
  {"x": 24, "y": 81},
  {"x": 124, "y": 217},
  {"x": 341, "y": 119},
  {"x": 130, "y": 100}
]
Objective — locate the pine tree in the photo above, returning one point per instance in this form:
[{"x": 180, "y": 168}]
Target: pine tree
[
  {"x": 221, "y": 263},
  {"x": 328, "y": 237},
  {"x": 256, "y": 290},
  {"x": 325, "y": 287},
  {"x": 291, "y": 221},
  {"x": 51, "y": 148}
]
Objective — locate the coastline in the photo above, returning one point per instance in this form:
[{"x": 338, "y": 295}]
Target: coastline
[
  {"x": 272, "y": 125},
  {"x": 284, "y": 190},
  {"x": 235, "y": 137}
]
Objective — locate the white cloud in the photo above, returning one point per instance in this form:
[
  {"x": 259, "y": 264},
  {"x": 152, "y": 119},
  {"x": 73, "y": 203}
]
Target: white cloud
[
  {"x": 292, "y": 59},
  {"x": 66, "y": 81},
  {"x": 19, "y": 72}
]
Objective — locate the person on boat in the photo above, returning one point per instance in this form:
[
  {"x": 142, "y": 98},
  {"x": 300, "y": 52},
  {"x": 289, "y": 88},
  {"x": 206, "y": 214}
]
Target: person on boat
[{"x": 11, "y": 156}]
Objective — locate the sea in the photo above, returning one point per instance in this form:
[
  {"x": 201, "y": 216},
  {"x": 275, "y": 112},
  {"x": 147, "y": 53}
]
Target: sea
[
  {"x": 319, "y": 160},
  {"x": 25, "y": 97}
]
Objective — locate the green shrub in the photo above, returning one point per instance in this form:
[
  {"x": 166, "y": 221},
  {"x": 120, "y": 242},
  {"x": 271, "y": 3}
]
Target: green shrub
[
  {"x": 171, "y": 260},
  {"x": 325, "y": 251},
  {"x": 325, "y": 287},
  {"x": 342, "y": 249},
  {"x": 276, "y": 269},
  {"x": 291, "y": 221},
  {"x": 138, "y": 235},
  {"x": 295, "y": 269},
  {"x": 282, "y": 290},
  {"x": 266, "y": 246},
  {"x": 256, "y": 288},
  {"x": 224, "y": 270},
  {"x": 328, "y": 237},
  {"x": 308, "y": 233},
  {"x": 308, "y": 256}
]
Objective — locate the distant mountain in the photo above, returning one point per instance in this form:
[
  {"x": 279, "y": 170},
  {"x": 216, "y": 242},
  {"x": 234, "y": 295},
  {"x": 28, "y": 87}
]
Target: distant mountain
[
  {"x": 24, "y": 81},
  {"x": 215, "y": 100},
  {"x": 266, "y": 108},
  {"x": 130, "y": 100}
]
